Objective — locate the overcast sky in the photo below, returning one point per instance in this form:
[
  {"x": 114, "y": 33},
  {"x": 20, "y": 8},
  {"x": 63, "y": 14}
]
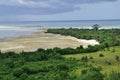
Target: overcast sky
[{"x": 41, "y": 10}]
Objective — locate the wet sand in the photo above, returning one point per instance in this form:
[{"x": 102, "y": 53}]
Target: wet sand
[{"x": 44, "y": 40}]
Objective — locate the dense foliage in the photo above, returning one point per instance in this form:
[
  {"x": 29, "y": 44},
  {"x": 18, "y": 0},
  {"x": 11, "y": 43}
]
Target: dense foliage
[
  {"x": 39, "y": 65},
  {"x": 107, "y": 37},
  {"x": 50, "y": 64}
]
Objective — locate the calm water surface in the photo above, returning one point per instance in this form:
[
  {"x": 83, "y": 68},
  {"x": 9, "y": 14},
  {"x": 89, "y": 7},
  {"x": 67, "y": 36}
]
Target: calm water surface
[{"x": 6, "y": 33}]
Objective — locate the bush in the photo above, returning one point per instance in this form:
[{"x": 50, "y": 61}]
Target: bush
[
  {"x": 30, "y": 71},
  {"x": 10, "y": 64},
  {"x": 23, "y": 76},
  {"x": 108, "y": 62},
  {"x": 62, "y": 67},
  {"x": 113, "y": 76},
  {"x": 91, "y": 74},
  {"x": 101, "y": 55},
  {"x": 91, "y": 57},
  {"x": 18, "y": 72},
  {"x": 84, "y": 71},
  {"x": 84, "y": 59}
]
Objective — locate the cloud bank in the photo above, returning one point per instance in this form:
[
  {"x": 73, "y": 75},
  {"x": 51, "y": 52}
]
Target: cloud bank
[{"x": 42, "y": 7}]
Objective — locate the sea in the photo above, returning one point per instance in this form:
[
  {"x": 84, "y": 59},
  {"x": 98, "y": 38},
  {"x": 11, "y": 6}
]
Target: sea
[{"x": 10, "y": 29}]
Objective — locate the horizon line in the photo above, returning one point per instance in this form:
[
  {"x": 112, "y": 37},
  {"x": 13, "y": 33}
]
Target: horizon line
[{"x": 62, "y": 20}]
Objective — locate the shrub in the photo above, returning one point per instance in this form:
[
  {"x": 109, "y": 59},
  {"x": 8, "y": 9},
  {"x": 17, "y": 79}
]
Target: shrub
[
  {"x": 18, "y": 72},
  {"x": 84, "y": 58},
  {"x": 63, "y": 67},
  {"x": 10, "y": 64},
  {"x": 108, "y": 62},
  {"x": 91, "y": 74},
  {"x": 91, "y": 57},
  {"x": 101, "y": 55},
  {"x": 30, "y": 71},
  {"x": 84, "y": 71},
  {"x": 23, "y": 76},
  {"x": 113, "y": 76}
]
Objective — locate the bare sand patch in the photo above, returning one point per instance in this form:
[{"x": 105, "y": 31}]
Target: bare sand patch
[{"x": 42, "y": 40}]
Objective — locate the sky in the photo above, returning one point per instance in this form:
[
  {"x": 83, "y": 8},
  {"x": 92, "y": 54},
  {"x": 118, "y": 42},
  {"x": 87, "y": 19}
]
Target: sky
[{"x": 45, "y": 10}]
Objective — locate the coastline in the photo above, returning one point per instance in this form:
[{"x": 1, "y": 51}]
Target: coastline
[
  {"x": 40, "y": 39},
  {"x": 7, "y": 32}
]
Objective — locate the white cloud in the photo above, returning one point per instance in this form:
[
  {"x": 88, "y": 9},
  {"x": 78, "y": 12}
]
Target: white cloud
[{"x": 42, "y": 6}]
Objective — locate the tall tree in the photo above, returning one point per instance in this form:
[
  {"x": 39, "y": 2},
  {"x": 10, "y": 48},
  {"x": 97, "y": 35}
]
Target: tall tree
[{"x": 96, "y": 27}]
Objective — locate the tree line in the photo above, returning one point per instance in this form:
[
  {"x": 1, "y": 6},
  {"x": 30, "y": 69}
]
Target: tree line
[
  {"x": 49, "y": 65},
  {"x": 106, "y": 37}
]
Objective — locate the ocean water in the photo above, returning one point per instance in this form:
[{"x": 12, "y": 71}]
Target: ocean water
[
  {"x": 9, "y": 32},
  {"x": 67, "y": 23},
  {"x": 31, "y": 26}
]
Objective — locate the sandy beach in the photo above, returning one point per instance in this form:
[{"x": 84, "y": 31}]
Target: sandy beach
[{"x": 40, "y": 39}]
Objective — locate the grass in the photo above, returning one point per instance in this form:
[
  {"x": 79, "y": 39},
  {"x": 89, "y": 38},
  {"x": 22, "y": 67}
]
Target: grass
[{"x": 107, "y": 62}]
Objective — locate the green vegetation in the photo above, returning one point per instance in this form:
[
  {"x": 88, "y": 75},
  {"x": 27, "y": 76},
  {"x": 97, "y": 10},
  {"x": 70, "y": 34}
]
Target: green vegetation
[
  {"x": 49, "y": 65},
  {"x": 104, "y": 62},
  {"x": 107, "y": 37},
  {"x": 96, "y": 27},
  {"x": 100, "y": 62}
]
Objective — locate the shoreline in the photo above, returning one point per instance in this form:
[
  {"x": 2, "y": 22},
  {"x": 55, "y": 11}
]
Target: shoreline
[
  {"x": 40, "y": 39},
  {"x": 8, "y": 32}
]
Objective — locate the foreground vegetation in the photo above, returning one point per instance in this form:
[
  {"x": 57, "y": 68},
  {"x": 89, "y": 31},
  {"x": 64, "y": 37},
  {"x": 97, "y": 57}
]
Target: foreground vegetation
[
  {"x": 100, "y": 62},
  {"x": 49, "y": 65}
]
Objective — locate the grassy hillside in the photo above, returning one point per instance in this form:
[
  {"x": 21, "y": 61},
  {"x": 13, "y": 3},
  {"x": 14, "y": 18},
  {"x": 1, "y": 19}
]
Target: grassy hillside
[
  {"x": 107, "y": 61},
  {"x": 48, "y": 65}
]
